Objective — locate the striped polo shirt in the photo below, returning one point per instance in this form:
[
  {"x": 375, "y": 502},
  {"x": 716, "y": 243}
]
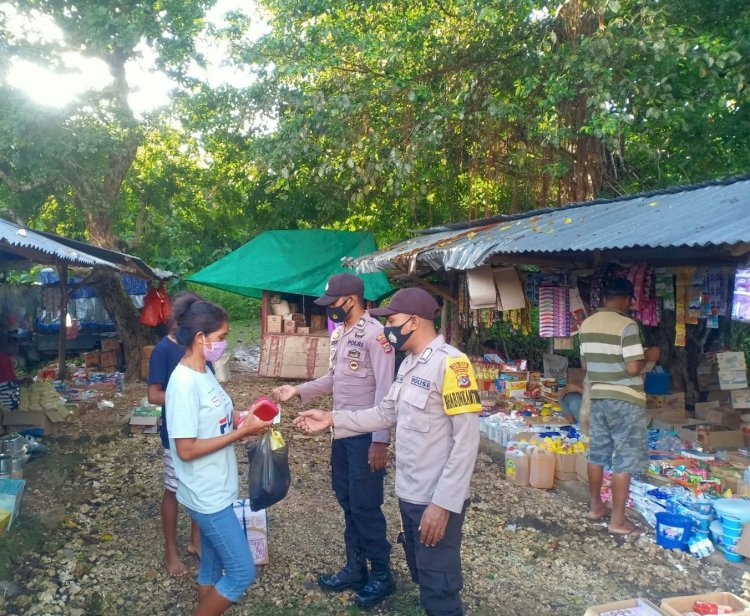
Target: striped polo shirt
[{"x": 609, "y": 340}]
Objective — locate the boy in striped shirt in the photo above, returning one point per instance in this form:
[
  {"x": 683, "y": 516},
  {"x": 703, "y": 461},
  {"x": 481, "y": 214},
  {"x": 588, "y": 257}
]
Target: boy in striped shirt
[{"x": 614, "y": 358}]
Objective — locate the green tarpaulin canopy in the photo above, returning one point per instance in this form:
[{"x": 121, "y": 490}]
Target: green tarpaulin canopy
[{"x": 297, "y": 262}]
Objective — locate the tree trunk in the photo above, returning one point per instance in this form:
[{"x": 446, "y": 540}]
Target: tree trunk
[{"x": 133, "y": 335}]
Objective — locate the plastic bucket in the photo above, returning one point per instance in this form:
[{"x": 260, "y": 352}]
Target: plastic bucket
[
  {"x": 732, "y": 557},
  {"x": 731, "y": 523},
  {"x": 657, "y": 383},
  {"x": 672, "y": 530}
]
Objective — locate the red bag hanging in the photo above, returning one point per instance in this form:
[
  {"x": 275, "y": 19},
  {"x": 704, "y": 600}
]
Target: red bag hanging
[
  {"x": 166, "y": 304},
  {"x": 152, "y": 308}
]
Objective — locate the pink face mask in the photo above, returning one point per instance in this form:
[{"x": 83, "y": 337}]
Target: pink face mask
[{"x": 218, "y": 348}]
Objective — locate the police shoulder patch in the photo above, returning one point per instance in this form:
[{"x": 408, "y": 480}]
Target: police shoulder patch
[
  {"x": 387, "y": 347},
  {"x": 460, "y": 391}
]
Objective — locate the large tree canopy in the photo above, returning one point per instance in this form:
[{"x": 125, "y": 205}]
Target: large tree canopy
[
  {"x": 376, "y": 115},
  {"x": 400, "y": 114}
]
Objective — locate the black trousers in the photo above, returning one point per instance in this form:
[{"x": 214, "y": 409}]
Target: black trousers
[
  {"x": 359, "y": 491},
  {"x": 437, "y": 570}
]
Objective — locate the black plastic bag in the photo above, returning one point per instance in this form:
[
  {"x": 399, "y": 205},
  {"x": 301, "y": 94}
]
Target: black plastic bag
[{"x": 269, "y": 476}]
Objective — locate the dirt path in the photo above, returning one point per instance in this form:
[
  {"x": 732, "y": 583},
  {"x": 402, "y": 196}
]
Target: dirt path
[{"x": 95, "y": 504}]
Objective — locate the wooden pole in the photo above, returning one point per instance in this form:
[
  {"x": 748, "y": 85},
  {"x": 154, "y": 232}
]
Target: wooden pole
[
  {"x": 433, "y": 288},
  {"x": 62, "y": 270}
]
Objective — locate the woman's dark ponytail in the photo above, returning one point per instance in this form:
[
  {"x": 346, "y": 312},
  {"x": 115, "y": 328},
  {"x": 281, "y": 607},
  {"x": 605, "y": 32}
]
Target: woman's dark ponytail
[{"x": 192, "y": 315}]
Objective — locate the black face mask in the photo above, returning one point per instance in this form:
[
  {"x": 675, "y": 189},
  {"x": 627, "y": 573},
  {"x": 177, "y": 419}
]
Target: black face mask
[
  {"x": 338, "y": 314},
  {"x": 396, "y": 337}
]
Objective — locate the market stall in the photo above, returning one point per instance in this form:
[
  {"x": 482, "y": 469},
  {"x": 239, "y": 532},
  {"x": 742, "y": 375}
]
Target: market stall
[
  {"x": 287, "y": 270},
  {"x": 541, "y": 274}
]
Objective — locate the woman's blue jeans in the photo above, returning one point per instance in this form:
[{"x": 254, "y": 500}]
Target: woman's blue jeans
[{"x": 226, "y": 561}]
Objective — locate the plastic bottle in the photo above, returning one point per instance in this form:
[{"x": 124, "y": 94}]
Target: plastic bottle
[
  {"x": 542, "y": 468},
  {"x": 516, "y": 467}
]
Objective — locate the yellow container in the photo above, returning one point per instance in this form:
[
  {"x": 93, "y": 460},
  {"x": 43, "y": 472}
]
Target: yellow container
[{"x": 4, "y": 521}]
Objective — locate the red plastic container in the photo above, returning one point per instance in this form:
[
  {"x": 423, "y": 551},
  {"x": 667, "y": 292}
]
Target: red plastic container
[{"x": 266, "y": 410}]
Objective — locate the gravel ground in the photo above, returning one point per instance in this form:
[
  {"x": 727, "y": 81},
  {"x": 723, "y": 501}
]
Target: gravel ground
[{"x": 525, "y": 551}]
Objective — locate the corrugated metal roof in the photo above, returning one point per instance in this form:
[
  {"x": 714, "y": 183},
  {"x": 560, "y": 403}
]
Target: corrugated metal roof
[
  {"x": 122, "y": 261},
  {"x": 714, "y": 214},
  {"x": 31, "y": 242}
]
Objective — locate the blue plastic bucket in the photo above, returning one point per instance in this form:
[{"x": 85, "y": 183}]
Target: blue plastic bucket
[
  {"x": 657, "y": 383},
  {"x": 731, "y": 522},
  {"x": 731, "y": 532},
  {"x": 672, "y": 530},
  {"x": 733, "y": 558}
]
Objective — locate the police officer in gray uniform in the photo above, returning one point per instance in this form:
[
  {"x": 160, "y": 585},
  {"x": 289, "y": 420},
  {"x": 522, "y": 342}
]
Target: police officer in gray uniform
[
  {"x": 361, "y": 372},
  {"x": 435, "y": 405}
]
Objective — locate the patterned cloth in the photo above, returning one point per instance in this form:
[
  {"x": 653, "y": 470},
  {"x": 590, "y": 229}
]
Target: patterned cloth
[{"x": 619, "y": 436}]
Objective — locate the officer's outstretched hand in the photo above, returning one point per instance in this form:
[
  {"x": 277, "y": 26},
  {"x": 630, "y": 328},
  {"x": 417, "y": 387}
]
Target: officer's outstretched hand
[
  {"x": 284, "y": 393},
  {"x": 432, "y": 525},
  {"x": 313, "y": 421}
]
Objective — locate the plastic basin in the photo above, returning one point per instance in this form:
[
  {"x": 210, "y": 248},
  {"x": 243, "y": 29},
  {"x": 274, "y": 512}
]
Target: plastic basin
[{"x": 735, "y": 507}]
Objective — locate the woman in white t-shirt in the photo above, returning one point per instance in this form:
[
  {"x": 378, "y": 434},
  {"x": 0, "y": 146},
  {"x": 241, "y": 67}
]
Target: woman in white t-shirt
[{"x": 202, "y": 432}]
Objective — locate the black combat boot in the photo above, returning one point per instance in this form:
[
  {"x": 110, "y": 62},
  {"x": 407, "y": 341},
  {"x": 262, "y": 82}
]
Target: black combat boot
[
  {"x": 353, "y": 575},
  {"x": 378, "y": 587}
]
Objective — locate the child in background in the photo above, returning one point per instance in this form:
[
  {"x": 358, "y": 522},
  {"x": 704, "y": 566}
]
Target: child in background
[{"x": 164, "y": 359}]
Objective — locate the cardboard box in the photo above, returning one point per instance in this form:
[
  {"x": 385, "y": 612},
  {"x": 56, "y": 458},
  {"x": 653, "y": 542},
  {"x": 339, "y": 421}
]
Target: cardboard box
[
  {"x": 645, "y": 606},
  {"x": 669, "y": 421},
  {"x": 582, "y": 468},
  {"x": 565, "y": 466},
  {"x": 110, "y": 344},
  {"x": 712, "y": 436},
  {"x": 108, "y": 359},
  {"x": 724, "y": 417},
  {"x": 701, "y": 408},
  {"x": 303, "y": 330},
  {"x": 144, "y": 424},
  {"x": 732, "y": 379},
  {"x": 290, "y": 327},
  {"x": 671, "y": 402},
  {"x": 730, "y": 476},
  {"x": 318, "y": 322},
  {"x": 144, "y": 368},
  {"x": 741, "y": 398},
  {"x": 255, "y": 526},
  {"x": 273, "y": 324},
  {"x": 743, "y": 545},
  {"x": 731, "y": 361},
  {"x": 719, "y": 396},
  {"x": 736, "y": 457},
  {"x": 677, "y": 606},
  {"x": 11, "y": 494},
  {"x": 298, "y": 318},
  {"x": 48, "y": 421},
  {"x": 91, "y": 360}
]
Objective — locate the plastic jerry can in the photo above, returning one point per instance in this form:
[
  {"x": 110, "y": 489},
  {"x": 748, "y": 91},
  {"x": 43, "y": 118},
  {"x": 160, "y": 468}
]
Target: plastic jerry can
[
  {"x": 542, "y": 474},
  {"x": 516, "y": 467}
]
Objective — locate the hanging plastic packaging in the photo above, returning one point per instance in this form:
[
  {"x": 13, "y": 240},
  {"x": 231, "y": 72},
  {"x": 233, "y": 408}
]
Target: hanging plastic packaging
[{"x": 269, "y": 476}]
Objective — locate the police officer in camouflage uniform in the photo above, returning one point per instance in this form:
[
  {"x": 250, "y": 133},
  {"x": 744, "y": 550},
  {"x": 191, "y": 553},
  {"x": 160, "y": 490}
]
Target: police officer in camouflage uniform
[
  {"x": 435, "y": 405},
  {"x": 361, "y": 372}
]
